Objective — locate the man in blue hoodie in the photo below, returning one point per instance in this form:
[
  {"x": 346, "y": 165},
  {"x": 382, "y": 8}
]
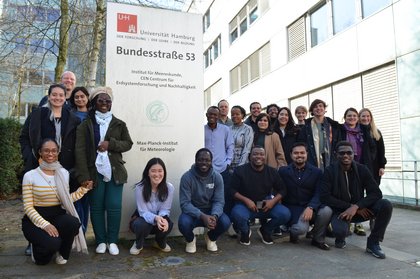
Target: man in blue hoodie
[{"x": 201, "y": 196}]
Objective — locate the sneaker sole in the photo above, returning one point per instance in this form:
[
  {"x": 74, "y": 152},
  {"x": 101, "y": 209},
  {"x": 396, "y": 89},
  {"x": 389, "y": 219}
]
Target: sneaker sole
[
  {"x": 249, "y": 242},
  {"x": 374, "y": 254},
  {"x": 262, "y": 239},
  {"x": 166, "y": 250},
  {"x": 136, "y": 252}
]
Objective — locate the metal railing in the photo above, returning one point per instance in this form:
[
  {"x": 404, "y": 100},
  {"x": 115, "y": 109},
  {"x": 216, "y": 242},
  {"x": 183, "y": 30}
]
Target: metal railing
[{"x": 405, "y": 176}]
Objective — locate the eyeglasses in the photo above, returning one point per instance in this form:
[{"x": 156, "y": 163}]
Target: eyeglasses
[
  {"x": 102, "y": 101},
  {"x": 48, "y": 151},
  {"x": 342, "y": 153}
]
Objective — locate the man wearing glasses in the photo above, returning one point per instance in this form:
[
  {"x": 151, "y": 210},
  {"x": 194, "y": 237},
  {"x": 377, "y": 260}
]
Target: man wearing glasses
[{"x": 352, "y": 193}]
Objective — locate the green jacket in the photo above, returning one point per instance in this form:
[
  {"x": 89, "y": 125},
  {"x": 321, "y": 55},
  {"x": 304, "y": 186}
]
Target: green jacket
[{"x": 119, "y": 141}]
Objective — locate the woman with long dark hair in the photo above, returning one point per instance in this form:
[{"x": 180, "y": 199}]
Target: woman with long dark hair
[
  {"x": 154, "y": 197},
  {"x": 80, "y": 105},
  {"x": 288, "y": 131},
  {"x": 79, "y": 100},
  {"x": 270, "y": 141}
]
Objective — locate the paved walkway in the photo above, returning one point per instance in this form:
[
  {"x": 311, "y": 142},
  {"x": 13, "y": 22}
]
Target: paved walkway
[{"x": 281, "y": 260}]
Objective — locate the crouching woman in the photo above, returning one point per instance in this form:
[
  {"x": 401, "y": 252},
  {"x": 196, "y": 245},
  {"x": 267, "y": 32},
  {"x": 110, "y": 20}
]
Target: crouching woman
[
  {"x": 51, "y": 222},
  {"x": 153, "y": 200}
]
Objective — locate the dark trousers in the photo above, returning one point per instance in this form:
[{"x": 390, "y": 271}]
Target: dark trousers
[
  {"x": 45, "y": 246},
  {"x": 382, "y": 210},
  {"x": 142, "y": 229},
  {"x": 229, "y": 203},
  {"x": 82, "y": 208}
]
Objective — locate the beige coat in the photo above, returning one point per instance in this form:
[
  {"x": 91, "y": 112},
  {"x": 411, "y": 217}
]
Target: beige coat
[{"x": 274, "y": 154}]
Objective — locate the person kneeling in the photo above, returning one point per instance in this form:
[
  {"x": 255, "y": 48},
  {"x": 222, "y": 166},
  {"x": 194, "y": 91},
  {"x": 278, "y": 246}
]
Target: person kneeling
[
  {"x": 154, "y": 200},
  {"x": 252, "y": 185},
  {"x": 201, "y": 196},
  {"x": 51, "y": 222},
  {"x": 303, "y": 181},
  {"x": 344, "y": 185}
]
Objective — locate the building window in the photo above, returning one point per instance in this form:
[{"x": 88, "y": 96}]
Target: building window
[
  {"x": 206, "y": 21},
  {"x": 372, "y": 6},
  {"x": 234, "y": 79},
  {"x": 326, "y": 20},
  {"x": 233, "y": 35},
  {"x": 241, "y": 22},
  {"x": 250, "y": 69},
  {"x": 296, "y": 36},
  {"x": 213, "y": 94},
  {"x": 319, "y": 25},
  {"x": 344, "y": 14},
  {"x": 212, "y": 52},
  {"x": 253, "y": 15},
  {"x": 243, "y": 26}
]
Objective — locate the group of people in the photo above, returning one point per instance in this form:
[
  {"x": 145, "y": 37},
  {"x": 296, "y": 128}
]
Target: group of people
[
  {"x": 317, "y": 172},
  {"x": 72, "y": 144}
]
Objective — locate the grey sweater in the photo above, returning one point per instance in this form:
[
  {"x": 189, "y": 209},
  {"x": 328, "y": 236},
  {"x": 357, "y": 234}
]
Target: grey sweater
[{"x": 198, "y": 193}]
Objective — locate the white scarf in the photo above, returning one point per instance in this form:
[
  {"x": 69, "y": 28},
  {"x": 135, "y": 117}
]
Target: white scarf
[
  {"x": 102, "y": 163},
  {"x": 63, "y": 195}
]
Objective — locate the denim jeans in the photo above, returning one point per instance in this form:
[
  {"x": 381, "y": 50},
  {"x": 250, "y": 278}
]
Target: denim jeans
[
  {"x": 278, "y": 215},
  {"x": 187, "y": 223}
]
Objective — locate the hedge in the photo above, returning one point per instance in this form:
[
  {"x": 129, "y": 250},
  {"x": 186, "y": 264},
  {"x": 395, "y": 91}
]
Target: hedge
[{"x": 10, "y": 156}]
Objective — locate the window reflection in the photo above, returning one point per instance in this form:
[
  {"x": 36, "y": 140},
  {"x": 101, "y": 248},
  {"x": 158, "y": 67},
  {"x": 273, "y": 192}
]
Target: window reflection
[
  {"x": 243, "y": 26},
  {"x": 344, "y": 14},
  {"x": 319, "y": 26},
  {"x": 253, "y": 15},
  {"x": 372, "y": 6}
]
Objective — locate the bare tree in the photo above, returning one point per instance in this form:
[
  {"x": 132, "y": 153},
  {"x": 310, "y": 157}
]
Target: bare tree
[
  {"x": 64, "y": 39},
  {"x": 98, "y": 30}
]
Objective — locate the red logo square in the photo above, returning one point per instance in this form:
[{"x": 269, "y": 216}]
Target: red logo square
[{"x": 126, "y": 23}]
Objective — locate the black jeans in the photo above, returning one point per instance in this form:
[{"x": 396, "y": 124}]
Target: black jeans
[
  {"x": 142, "y": 229},
  {"x": 382, "y": 210},
  {"x": 45, "y": 246}
]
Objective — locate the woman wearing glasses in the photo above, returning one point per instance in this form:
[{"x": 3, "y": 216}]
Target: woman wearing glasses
[
  {"x": 51, "y": 223},
  {"x": 101, "y": 140},
  {"x": 53, "y": 121}
]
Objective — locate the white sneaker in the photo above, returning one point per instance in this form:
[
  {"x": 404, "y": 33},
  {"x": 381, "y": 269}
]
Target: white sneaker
[
  {"x": 134, "y": 250},
  {"x": 101, "y": 248},
  {"x": 190, "y": 247},
  {"x": 113, "y": 249},
  {"x": 231, "y": 231},
  {"x": 211, "y": 245},
  {"x": 60, "y": 260},
  {"x": 167, "y": 248}
]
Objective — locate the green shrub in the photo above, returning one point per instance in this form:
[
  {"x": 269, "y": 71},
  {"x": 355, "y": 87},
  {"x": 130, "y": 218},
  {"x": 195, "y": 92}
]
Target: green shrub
[{"x": 10, "y": 157}]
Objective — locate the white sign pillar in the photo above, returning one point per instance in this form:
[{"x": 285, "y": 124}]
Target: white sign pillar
[{"x": 154, "y": 66}]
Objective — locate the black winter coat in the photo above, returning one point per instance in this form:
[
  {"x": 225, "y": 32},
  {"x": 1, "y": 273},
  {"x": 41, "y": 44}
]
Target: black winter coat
[{"x": 31, "y": 137}]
